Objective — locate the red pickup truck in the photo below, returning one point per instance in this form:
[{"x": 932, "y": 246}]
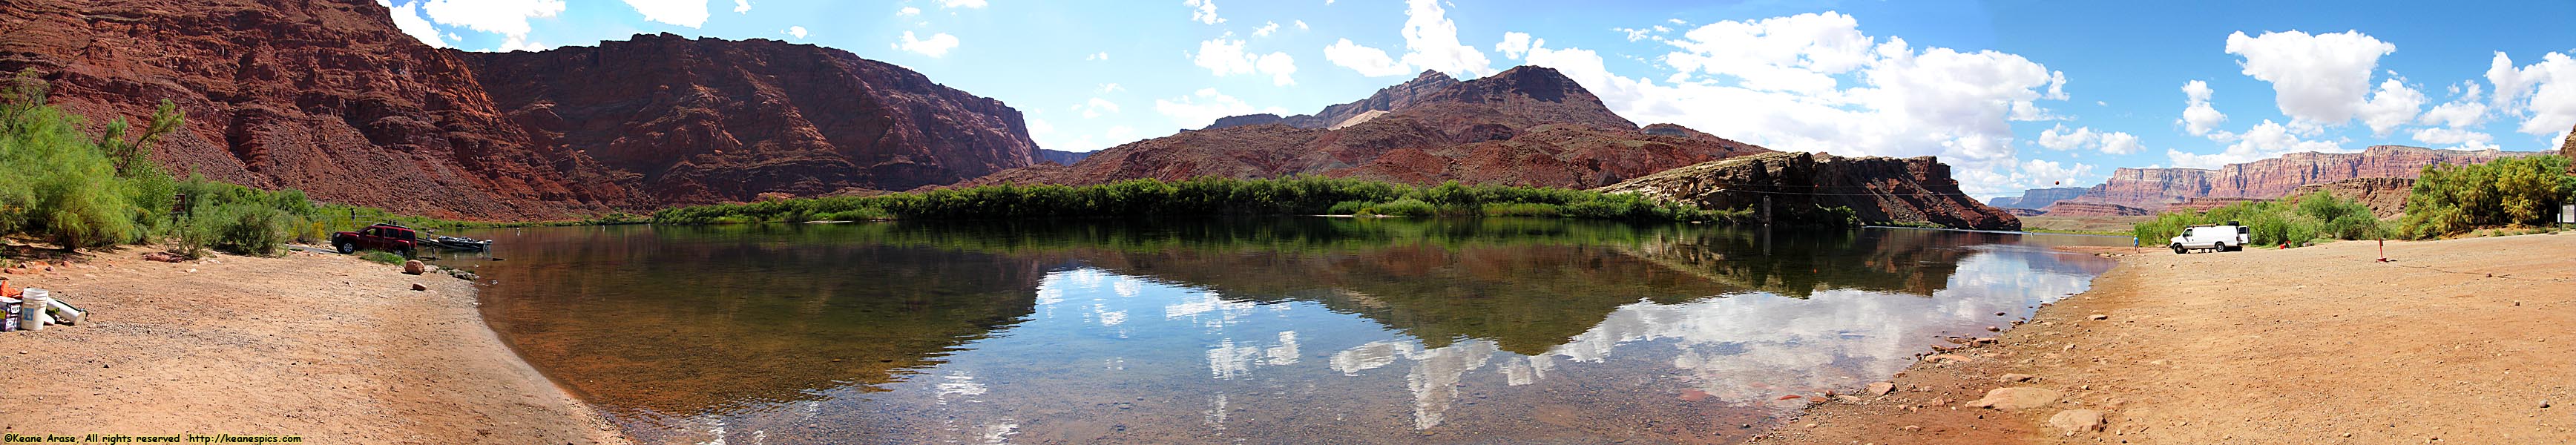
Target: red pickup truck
[{"x": 386, "y": 237}]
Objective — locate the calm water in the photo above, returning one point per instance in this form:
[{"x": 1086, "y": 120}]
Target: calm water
[{"x": 1279, "y": 330}]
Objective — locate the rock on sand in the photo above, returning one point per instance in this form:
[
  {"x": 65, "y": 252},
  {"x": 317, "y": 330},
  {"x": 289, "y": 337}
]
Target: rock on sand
[{"x": 2016, "y": 398}]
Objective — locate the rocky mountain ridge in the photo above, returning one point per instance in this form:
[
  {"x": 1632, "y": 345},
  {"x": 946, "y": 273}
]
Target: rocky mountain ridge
[{"x": 328, "y": 96}]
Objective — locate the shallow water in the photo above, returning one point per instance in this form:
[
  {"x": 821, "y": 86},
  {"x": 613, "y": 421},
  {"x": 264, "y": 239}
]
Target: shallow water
[{"x": 1272, "y": 330}]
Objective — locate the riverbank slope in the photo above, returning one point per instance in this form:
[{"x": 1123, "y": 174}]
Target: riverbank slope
[
  {"x": 328, "y": 347},
  {"x": 2321, "y": 345}
]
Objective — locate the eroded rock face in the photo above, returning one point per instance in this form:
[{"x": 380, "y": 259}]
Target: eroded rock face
[
  {"x": 2154, "y": 188},
  {"x": 1525, "y": 126},
  {"x": 328, "y": 96},
  {"x": 1881, "y": 190},
  {"x": 694, "y": 121},
  {"x": 2037, "y": 198},
  {"x": 2385, "y": 196}
]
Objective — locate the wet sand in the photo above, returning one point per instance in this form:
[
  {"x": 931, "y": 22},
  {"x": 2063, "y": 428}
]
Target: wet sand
[
  {"x": 2451, "y": 343},
  {"x": 327, "y": 347}
]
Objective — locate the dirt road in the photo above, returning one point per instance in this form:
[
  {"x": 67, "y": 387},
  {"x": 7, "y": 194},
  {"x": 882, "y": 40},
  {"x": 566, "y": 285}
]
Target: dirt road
[
  {"x": 2459, "y": 341},
  {"x": 327, "y": 347}
]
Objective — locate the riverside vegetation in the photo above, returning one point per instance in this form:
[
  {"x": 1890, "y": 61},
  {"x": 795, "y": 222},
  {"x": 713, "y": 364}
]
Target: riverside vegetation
[
  {"x": 1210, "y": 196},
  {"x": 75, "y": 191},
  {"x": 2447, "y": 200}
]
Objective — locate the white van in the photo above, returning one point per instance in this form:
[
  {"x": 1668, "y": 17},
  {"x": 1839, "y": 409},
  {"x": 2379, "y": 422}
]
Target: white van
[{"x": 2211, "y": 237}]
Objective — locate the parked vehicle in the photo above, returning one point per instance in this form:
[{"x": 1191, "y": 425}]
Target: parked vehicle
[
  {"x": 2212, "y": 237},
  {"x": 385, "y": 237}
]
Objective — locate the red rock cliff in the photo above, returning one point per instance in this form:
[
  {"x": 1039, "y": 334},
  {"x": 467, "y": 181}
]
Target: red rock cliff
[
  {"x": 329, "y": 97},
  {"x": 2154, "y": 188},
  {"x": 698, "y": 121}
]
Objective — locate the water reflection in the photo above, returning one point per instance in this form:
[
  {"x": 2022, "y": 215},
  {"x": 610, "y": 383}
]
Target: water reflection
[{"x": 1263, "y": 330}]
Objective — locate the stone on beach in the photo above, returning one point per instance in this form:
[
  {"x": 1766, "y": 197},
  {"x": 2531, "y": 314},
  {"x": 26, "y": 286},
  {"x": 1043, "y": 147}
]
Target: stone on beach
[
  {"x": 2016, "y": 398},
  {"x": 2073, "y": 421}
]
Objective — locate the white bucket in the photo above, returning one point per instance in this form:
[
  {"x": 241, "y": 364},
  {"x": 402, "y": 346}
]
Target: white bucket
[{"x": 31, "y": 311}]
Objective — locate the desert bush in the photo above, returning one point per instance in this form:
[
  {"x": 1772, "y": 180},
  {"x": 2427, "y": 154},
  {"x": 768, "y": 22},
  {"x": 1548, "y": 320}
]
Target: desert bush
[
  {"x": 246, "y": 228},
  {"x": 2454, "y": 199},
  {"x": 381, "y": 257},
  {"x": 1404, "y": 207}
]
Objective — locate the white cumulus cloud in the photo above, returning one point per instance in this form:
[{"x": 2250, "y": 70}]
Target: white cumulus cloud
[
  {"x": 1226, "y": 57},
  {"x": 2543, "y": 94},
  {"x": 1815, "y": 82},
  {"x": 1266, "y": 29},
  {"x": 1430, "y": 42},
  {"x": 2318, "y": 79},
  {"x": 2394, "y": 104},
  {"x": 798, "y": 31},
  {"x": 407, "y": 18},
  {"x": 952, "y": 4},
  {"x": 742, "y": 6},
  {"x": 907, "y": 11},
  {"x": 1203, "y": 11},
  {"x": 1513, "y": 45},
  {"x": 935, "y": 46},
  {"x": 2198, "y": 116},
  {"x": 1371, "y": 62},
  {"x": 1096, "y": 107},
  {"x": 689, "y": 13},
  {"x": 508, "y": 18},
  {"x": 2113, "y": 142}
]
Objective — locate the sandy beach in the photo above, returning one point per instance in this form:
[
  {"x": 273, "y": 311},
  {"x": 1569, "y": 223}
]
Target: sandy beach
[
  {"x": 326, "y": 347},
  {"x": 2449, "y": 343}
]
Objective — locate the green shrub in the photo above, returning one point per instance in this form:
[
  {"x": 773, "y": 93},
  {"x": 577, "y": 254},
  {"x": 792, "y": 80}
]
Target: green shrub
[
  {"x": 1404, "y": 207},
  {"x": 381, "y": 257},
  {"x": 1348, "y": 207},
  {"x": 2455, "y": 199},
  {"x": 247, "y": 229},
  {"x": 1524, "y": 209}
]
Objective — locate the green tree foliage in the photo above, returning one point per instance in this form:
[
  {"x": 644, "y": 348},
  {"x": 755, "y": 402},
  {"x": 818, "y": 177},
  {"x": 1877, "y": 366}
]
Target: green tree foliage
[
  {"x": 1202, "y": 197},
  {"x": 70, "y": 189},
  {"x": 79, "y": 191},
  {"x": 2454, "y": 199},
  {"x": 2296, "y": 221}
]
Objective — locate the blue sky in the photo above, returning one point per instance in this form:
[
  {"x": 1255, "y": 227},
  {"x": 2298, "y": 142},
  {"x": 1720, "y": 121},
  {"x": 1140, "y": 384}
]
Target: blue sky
[{"x": 2012, "y": 95}]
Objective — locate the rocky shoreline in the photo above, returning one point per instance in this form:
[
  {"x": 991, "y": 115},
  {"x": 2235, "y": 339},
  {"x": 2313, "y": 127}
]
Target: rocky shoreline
[
  {"x": 2313, "y": 345},
  {"x": 325, "y": 347}
]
